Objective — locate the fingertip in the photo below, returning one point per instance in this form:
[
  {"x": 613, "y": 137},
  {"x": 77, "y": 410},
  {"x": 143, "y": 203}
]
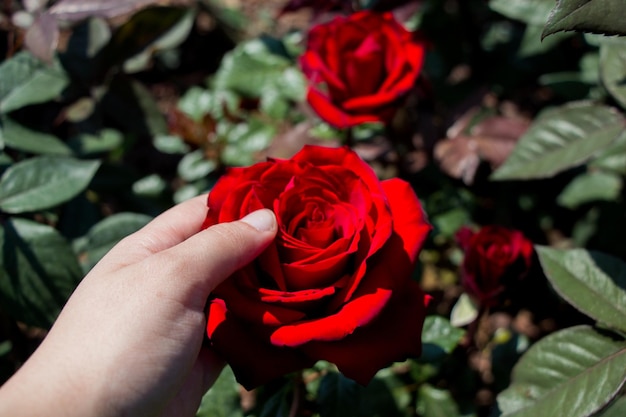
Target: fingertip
[{"x": 262, "y": 220}]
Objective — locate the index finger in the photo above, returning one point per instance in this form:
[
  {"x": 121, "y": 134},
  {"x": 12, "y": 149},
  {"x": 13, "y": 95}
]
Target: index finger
[{"x": 167, "y": 230}]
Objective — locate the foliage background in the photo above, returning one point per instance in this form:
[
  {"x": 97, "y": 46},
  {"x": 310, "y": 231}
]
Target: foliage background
[{"x": 111, "y": 115}]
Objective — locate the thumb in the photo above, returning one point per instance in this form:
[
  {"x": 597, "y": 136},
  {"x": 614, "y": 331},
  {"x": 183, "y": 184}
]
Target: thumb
[{"x": 196, "y": 266}]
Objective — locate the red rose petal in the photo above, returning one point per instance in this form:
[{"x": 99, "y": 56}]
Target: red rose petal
[
  {"x": 409, "y": 219},
  {"x": 395, "y": 335},
  {"x": 359, "y": 312},
  {"x": 253, "y": 360},
  {"x": 332, "y": 114}
]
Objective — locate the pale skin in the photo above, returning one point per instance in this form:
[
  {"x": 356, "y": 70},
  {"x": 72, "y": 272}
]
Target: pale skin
[{"x": 129, "y": 341}]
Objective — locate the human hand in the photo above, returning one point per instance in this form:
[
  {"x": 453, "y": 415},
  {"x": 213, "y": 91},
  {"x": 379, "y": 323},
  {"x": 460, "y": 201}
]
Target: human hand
[{"x": 129, "y": 340}]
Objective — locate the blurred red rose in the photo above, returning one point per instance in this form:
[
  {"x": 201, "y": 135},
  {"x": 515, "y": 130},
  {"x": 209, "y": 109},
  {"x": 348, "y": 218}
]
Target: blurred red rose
[
  {"x": 336, "y": 284},
  {"x": 359, "y": 67},
  {"x": 494, "y": 257}
]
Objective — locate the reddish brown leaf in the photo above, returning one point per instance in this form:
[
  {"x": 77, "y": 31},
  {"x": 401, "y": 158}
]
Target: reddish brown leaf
[
  {"x": 42, "y": 37},
  {"x": 491, "y": 140}
]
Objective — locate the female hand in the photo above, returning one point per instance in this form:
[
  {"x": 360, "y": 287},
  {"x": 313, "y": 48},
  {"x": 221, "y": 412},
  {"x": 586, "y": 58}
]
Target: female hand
[{"x": 129, "y": 340}]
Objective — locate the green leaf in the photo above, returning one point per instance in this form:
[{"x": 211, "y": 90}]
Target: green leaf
[
  {"x": 170, "y": 144},
  {"x": 222, "y": 400},
  {"x": 532, "y": 12},
  {"x": 25, "y": 80},
  {"x": 244, "y": 140},
  {"x": 612, "y": 158},
  {"x": 249, "y": 69},
  {"x": 590, "y": 186},
  {"x": 464, "y": 312},
  {"x": 107, "y": 233},
  {"x": 433, "y": 402},
  {"x": 21, "y": 138},
  {"x": 252, "y": 70},
  {"x": 573, "y": 372},
  {"x": 561, "y": 138},
  {"x": 194, "y": 166},
  {"x": 593, "y": 282},
  {"x": 197, "y": 102},
  {"x": 533, "y": 45},
  {"x": 613, "y": 69},
  {"x": 88, "y": 144},
  {"x": 149, "y": 186},
  {"x": 596, "y": 16},
  {"x": 38, "y": 271},
  {"x": 439, "y": 337},
  {"x": 43, "y": 182}
]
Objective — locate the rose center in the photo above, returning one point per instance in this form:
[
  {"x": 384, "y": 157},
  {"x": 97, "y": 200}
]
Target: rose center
[{"x": 316, "y": 226}]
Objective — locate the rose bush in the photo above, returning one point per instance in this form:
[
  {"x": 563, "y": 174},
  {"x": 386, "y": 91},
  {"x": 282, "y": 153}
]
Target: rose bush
[
  {"x": 336, "y": 284},
  {"x": 494, "y": 257},
  {"x": 359, "y": 66}
]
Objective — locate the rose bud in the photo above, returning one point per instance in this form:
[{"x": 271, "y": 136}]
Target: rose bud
[
  {"x": 359, "y": 67},
  {"x": 335, "y": 285},
  {"x": 495, "y": 257}
]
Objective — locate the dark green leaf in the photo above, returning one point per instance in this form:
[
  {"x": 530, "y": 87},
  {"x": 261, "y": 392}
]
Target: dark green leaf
[
  {"x": 384, "y": 396},
  {"x": 596, "y": 16},
  {"x": 532, "y": 43},
  {"x": 433, "y": 402},
  {"x": 43, "y": 182},
  {"x": 573, "y": 372},
  {"x": 25, "y": 80},
  {"x": 222, "y": 400},
  {"x": 616, "y": 409},
  {"x": 590, "y": 186},
  {"x": 593, "y": 282},
  {"x": 532, "y": 12},
  {"x": 561, "y": 138},
  {"x": 338, "y": 396},
  {"x": 278, "y": 404},
  {"x": 613, "y": 69},
  {"x": 38, "y": 271},
  {"x": 133, "y": 107},
  {"x": 5, "y": 348},
  {"x": 168, "y": 40},
  {"x": 139, "y": 32},
  {"x": 107, "y": 233},
  {"x": 21, "y": 138}
]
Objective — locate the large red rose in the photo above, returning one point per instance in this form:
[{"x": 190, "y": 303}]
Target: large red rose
[
  {"x": 336, "y": 284},
  {"x": 359, "y": 66},
  {"x": 495, "y": 256}
]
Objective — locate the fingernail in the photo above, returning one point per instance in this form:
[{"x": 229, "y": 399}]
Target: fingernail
[{"x": 262, "y": 220}]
